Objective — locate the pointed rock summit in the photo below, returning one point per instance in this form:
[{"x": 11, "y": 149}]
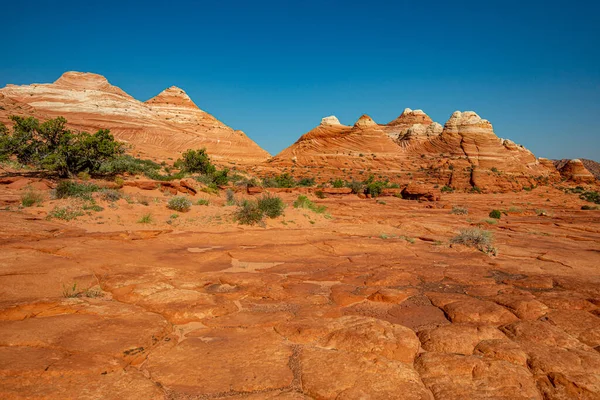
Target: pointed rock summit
[
  {"x": 410, "y": 117},
  {"x": 364, "y": 122},
  {"x": 79, "y": 81},
  {"x": 172, "y": 96},
  {"x": 329, "y": 121}
]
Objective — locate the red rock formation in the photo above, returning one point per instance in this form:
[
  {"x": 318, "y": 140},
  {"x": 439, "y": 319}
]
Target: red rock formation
[
  {"x": 161, "y": 128},
  {"x": 466, "y": 154},
  {"x": 576, "y": 172}
]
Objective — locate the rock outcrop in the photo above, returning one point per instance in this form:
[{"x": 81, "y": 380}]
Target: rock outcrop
[
  {"x": 574, "y": 171},
  {"x": 464, "y": 154},
  {"x": 159, "y": 128}
]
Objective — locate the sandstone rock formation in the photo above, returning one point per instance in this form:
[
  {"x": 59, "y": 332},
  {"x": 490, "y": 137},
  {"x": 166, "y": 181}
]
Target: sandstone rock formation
[
  {"x": 464, "y": 154},
  {"x": 575, "y": 171},
  {"x": 160, "y": 128}
]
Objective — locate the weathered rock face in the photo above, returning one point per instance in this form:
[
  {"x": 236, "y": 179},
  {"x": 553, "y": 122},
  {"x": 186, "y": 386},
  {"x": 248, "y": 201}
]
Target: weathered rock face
[
  {"x": 575, "y": 171},
  {"x": 161, "y": 128},
  {"x": 464, "y": 154},
  {"x": 412, "y": 125}
]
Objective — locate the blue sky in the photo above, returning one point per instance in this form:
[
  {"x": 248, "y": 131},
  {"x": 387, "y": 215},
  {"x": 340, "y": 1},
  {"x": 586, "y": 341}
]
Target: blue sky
[{"x": 274, "y": 68}]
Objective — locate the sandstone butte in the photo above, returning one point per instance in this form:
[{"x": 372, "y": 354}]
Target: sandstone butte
[
  {"x": 159, "y": 128},
  {"x": 465, "y": 153},
  {"x": 370, "y": 299}
]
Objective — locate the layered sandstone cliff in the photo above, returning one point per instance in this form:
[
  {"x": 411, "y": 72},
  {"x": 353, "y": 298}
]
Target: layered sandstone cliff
[
  {"x": 464, "y": 154},
  {"x": 160, "y": 128}
]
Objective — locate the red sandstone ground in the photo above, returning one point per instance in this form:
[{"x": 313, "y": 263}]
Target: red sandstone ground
[{"x": 372, "y": 303}]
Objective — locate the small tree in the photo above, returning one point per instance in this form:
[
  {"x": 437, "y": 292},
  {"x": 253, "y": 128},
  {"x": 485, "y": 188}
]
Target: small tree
[
  {"x": 196, "y": 161},
  {"x": 50, "y": 145}
]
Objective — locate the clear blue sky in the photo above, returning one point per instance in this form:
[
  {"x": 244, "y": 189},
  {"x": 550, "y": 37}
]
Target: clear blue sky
[{"x": 274, "y": 68}]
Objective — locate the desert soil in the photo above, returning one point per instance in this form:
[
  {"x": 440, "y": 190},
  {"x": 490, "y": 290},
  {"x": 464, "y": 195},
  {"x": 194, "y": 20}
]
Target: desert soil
[{"x": 369, "y": 300}]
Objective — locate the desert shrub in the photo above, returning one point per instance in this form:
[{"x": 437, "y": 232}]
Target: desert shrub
[
  {"x": 284, "y": 180},
  {"x": 65, "y": 213},
  {"x": 221, "y": 177},
  {"x": 304, "y": 202},
  {"x": 496, "y": 214},
  {"x": 381, "y": 202},
  {"x": 355, "y": 186},
  {"x": 145, "y": 219},
  {"x": 202, "y": 202},
  {"x": 179, "y": 203},
  {"x": 195, "y": 161},
  {"x": 375, "y": 188},
  {"x": 447, "y": 189},
  {"x": 588, "y": 207},
  {"x": 248, "y": 213},
  {"x": 84, "y": 176},
  {"x": 92, "y": 207},
  {"x": 50, "y": 145},
  {"x": 458, "y": 210},
  {"x": 476, "y": 189},
  {"x": 211, "y": 188},
  {"x": 230, "y": 197},
  {"x": 66, "y": 189},
  {"x": 337, "y": 183},
  {"x": 306, "y": 182},
  {"x": 111, "y": 194},
  {"x": 540, "y": 212},
  {"x": 320, "y": 194},
  {"x": 477, "y": 238},
  {"x": 592, "y": 197},
  {"x": 31, "y": 197},
  {"x": 128, "y": 164},
  {"x": 494, "y": 170},
  {"x": 271, "y": 206}
]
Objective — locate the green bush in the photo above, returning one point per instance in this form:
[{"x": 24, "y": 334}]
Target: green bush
[
  {"x": 447, "y": 189},
  {"x": 355, "y": 186},
  {"x": 51, "y": 146},
  {"x": 195, "y": 161},
  {"x": 338, "y": 183},
  {"x": 221, "y": 178},
  {"x": 306, "y": 182},
  {"x": 248, "y": 213},
  {"x": 375, "y": 188},
  {"x": 304, "y": 202},
  {"x": 592, "y": 197},
  {"x": 477, "y": 238},
  {"x": 31, "y": 197},
  {"x": 320, "y": 194},
  {"x": 128, "y": 164},
  {"x": 271, "y": 206},
  {"x": 284, "y": 180},
  {"x": 66, "y": 189},
  {"x": 496, "y": 214},
  {"x": 202, "y": 202},
  {"x": 180, "y": 203}
]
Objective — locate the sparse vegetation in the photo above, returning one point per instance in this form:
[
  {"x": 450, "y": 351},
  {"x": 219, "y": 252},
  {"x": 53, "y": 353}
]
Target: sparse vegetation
[
  {"x": 230, "y": 198},
  {"x": 459, "y": 210},
  {"x": 477, "y": 238},
  {"x": 446, "y": 189},
  {"x": 70, "y": 291},
  {"x": 31, "y": 197},
  {"x": 248, "y": 213},
  {"x": 66, "y": 213},
  {"x": 304, "y": 202},
  {"x": 496, "y": 214},
  {"x": 271, "y": 206},
  {"x": 66, "y": 189},
  {"x": 202, "y": 202},
  {"x": 111, "y": 195},
  {"x": 591, "y": 196},
  {"x": 145, "y": 219},
  {"x": 179, "y": 203}
]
